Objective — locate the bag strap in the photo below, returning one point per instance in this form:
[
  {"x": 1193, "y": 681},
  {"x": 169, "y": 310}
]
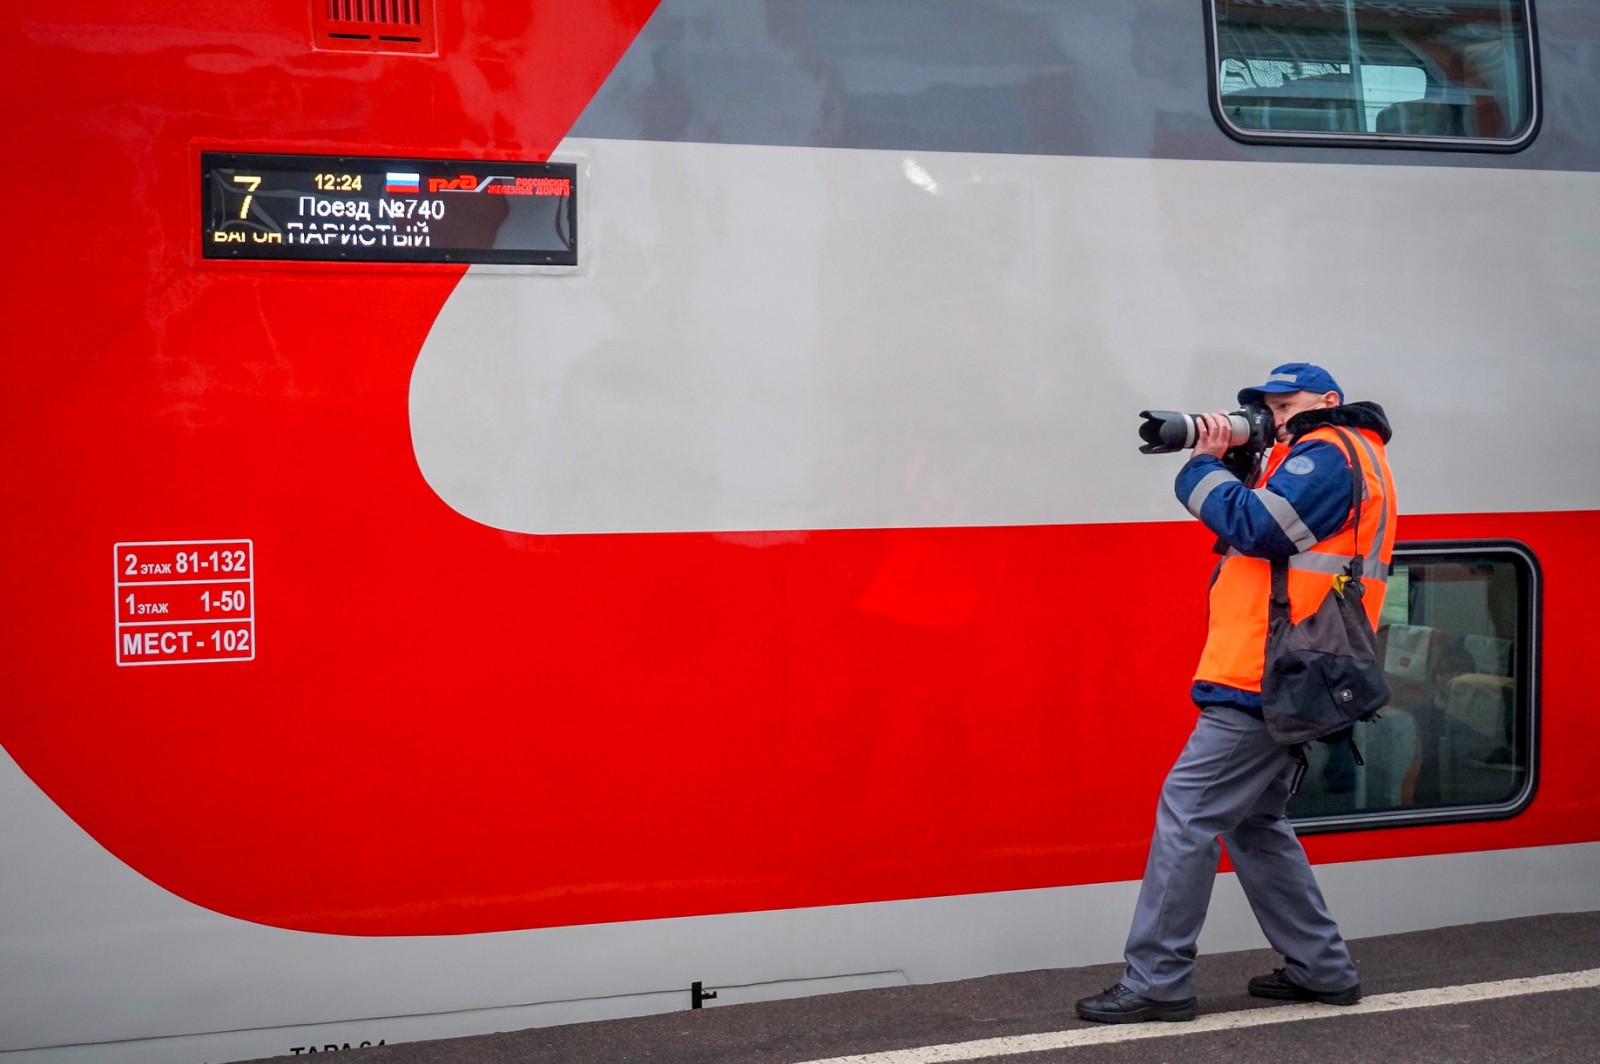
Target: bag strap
[
  {"x": 1358, "y": 488},
  {"x": 1278, "y": 603}
]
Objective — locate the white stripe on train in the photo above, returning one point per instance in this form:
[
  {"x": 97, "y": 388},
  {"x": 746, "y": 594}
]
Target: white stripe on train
[{"x": 765, "y": 338}]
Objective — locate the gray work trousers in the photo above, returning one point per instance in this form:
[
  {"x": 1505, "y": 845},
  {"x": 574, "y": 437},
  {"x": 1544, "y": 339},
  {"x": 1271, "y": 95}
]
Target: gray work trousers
[{"x": 1231, "y": 781}]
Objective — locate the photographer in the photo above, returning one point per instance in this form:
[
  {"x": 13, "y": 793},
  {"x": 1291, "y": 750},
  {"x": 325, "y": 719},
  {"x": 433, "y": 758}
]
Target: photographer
[{"x": 1232, "y": 782}]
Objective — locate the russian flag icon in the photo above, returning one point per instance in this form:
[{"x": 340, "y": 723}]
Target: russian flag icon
[{"x": 402, "y": 184}]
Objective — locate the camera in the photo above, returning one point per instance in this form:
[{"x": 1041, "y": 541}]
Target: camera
[{"x": 1165, "y": 431}]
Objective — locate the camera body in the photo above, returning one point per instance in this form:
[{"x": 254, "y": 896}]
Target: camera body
[{"x": 1166, "y": 431}]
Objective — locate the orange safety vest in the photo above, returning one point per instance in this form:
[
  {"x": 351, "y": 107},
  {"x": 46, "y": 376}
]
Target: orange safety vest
[{"x": 1236, "y": 638}]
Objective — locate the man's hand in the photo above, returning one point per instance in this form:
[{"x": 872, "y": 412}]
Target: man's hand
[{"x": 1213, "y": 434}]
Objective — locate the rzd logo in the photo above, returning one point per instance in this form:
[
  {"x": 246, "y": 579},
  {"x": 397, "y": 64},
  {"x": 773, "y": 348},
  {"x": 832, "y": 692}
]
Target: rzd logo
[{"x": 464, "y": 183}]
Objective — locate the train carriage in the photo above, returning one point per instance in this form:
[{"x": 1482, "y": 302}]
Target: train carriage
[{"x": 529, "y": 513}]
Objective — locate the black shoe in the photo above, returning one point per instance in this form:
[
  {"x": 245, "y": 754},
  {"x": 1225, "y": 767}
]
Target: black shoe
[
  {"x": 1280, "y": 987},
  {"x": 1118, "y": 1004}
]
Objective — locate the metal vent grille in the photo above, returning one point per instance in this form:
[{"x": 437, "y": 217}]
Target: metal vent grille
[{"x": 373, "y": 25}]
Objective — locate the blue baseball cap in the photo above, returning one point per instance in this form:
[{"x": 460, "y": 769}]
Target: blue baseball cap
[{"x": 1294, "y": 377}]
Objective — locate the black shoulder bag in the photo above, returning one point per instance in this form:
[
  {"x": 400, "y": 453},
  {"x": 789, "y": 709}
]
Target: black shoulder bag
[{"x": 1323, "y": 674}]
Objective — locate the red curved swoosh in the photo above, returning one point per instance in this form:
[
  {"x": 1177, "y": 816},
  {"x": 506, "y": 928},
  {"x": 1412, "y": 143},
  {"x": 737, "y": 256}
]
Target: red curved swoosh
[{"x": 453, "y": 729}]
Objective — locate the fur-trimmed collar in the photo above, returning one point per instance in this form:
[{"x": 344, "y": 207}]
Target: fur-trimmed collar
[{"x": 1350, "y": 415}]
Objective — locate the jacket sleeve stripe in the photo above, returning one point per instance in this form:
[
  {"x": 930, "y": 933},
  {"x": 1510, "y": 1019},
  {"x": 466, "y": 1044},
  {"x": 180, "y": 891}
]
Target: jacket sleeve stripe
[
  {"x": 1287, "y": 518},
  {"x": 1208, "y": 483}
]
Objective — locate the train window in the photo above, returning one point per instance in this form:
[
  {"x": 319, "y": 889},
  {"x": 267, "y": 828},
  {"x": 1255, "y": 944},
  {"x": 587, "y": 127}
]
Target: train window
[
  {"x": 1414, "y": 73},
  {"x": 1458, "y": 638}
]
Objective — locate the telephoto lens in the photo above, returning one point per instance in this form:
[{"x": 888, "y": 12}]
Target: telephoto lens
[{"x": 1166, "y": 431}]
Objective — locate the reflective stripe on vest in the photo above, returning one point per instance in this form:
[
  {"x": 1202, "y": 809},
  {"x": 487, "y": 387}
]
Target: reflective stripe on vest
[{"x": 1334, "y": 564}]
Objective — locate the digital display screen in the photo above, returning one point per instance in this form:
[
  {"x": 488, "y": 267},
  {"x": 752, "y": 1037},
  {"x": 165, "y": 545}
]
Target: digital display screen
[{"x": 324, "y": 208}]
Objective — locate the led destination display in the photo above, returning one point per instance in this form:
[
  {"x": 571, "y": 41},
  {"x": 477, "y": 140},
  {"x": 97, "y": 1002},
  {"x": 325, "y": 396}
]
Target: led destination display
[{"x": 355, "y": 209}]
